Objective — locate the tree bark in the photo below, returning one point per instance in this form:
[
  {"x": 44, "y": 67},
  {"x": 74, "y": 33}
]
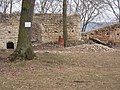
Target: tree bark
[
  {"x": 65, "y": 34},
  {"x": 24, "y": 50},
  {"x": 11, "y": 6}
]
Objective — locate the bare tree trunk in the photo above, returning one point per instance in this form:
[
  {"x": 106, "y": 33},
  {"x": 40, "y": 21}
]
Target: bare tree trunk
[
  {"x": 24, "y": 48},
  {"x": 11, "y": 1},
  {"x": 119, "y": 11},
  {"x": 65, "y": 34}
]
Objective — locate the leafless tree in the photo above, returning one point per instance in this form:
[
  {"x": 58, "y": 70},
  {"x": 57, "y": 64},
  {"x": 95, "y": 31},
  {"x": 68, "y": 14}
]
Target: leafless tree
[
  {"x": 11, "y": 4},
  {"x": 24, "y": 50},
  {"x": 41, "y": 6},
  {"x": 48, "y": 6},
  {"x": 7, "y": 5},
  {"x": 88, "y": 9},
  {"x": 114, "y": 7},
  {"x": 4, "y": 5},
  {"x": 1, "y": 3},
  {"x": 65, "y": 33}
]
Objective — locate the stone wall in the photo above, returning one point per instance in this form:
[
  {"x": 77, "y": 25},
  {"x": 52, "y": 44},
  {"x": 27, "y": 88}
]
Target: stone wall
[
  {"x": 8, "y": 31},
  {"x": 51, "y": 27},
  {"x": 109, "y": 33},
  {"x": 46, "y": 28}
]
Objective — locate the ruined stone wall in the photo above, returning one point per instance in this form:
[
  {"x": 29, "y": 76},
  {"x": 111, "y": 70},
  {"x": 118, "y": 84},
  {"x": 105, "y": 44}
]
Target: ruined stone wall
[
  {"x": 51, "y": 27},
  {"x": 46, "y": 28},
  {"x": 8, "y": 31},
  {"x": 109, "y": 33}
]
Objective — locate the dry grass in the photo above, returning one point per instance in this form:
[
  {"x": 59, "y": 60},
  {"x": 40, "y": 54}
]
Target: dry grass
[{"x": 50, "y": 71}]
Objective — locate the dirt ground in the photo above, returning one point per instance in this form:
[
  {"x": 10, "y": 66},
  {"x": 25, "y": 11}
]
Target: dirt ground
[{"x": 62, "y": 71}]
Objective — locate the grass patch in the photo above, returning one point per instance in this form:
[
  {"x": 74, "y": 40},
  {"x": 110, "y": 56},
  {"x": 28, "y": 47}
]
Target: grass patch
[
  {"x": 54, "y": 71},
  {"x": 51, "y": 59}
]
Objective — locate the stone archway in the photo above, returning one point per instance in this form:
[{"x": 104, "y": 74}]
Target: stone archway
[{"x": 10, "y": 45}]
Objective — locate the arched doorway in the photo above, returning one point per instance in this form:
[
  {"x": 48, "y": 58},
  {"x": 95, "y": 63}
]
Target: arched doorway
[{"x": 10, "y": 45}]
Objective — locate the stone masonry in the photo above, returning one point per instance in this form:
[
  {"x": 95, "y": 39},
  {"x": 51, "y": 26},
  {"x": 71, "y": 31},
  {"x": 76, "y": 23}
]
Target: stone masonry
[
  {"x": 8, "y": 31},
  {"x": 108, "y": 34},
  {"x": 46, "y": 28}
]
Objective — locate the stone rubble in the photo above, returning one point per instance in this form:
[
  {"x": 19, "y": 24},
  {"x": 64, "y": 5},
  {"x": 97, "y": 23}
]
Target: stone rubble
[
  {"x": 83, "y": 48},
  {"x": 91, "y": 48}
]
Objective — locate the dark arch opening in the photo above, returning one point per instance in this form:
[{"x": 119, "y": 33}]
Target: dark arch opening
[{"x": 10, "y": 45}]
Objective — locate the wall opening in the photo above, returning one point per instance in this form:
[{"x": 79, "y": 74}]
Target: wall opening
[
  {"x": 9, "y": 32},
  {"x": 10, "y": 45},
  {"x": 117, "y": 34},
  {"x": 107, "y": 33},
  {"x": 56, "y": 31}
]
